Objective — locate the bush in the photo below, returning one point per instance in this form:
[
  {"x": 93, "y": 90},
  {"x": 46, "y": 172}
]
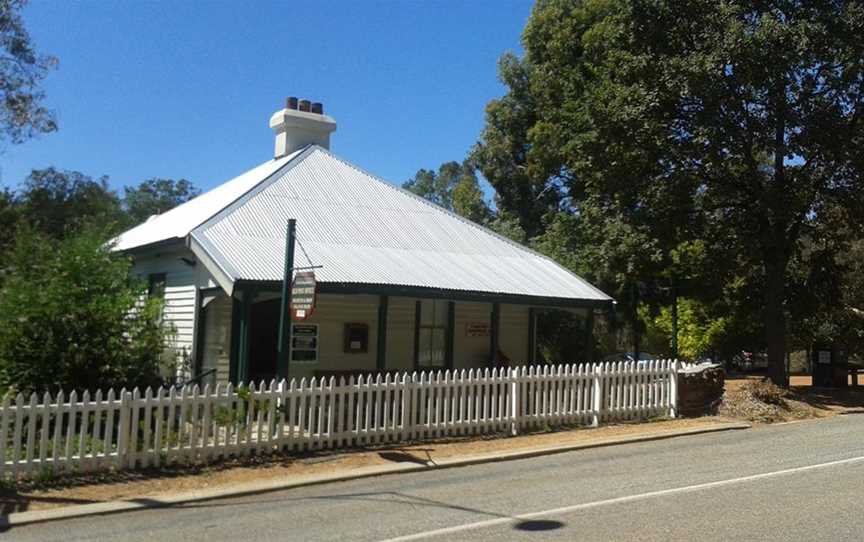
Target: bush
[{"x": 72, "y": 318}]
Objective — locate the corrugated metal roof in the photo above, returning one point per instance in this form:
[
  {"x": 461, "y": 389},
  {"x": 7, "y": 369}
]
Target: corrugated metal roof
[
  {"x": 364, "y": 230},
  {"x": 179, "y": 221}
]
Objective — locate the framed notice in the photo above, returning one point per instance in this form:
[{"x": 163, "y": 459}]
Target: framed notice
[
  {"x": 824, "y": 356},
  {"x": 304, "y": 343},
  {"x": 478, "y": 329}
]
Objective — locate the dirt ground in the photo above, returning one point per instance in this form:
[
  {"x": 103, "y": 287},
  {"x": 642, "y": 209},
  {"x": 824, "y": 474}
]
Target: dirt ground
[
  {"x": 65, "y": 492},
  {"x": 795, "y": 381}
]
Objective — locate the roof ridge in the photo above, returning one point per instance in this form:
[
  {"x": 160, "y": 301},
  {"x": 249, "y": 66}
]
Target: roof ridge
[{"x": 457, "y": 216}]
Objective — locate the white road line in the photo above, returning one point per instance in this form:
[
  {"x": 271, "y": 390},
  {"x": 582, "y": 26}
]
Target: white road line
[{"x": 629, "y": 498}]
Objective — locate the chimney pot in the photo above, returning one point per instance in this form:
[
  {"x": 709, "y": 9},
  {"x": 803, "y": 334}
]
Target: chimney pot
[
  {"x": 318, "y": 107},
  {"x": 291, "y": 102},
  {"x": 304, "y": 105}
]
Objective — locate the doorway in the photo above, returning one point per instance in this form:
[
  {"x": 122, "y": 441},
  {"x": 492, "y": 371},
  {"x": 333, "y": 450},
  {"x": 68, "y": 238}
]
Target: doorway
[{"x": 263, "y": 340}]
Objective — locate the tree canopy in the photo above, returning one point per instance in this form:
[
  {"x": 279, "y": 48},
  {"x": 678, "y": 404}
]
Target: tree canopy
[
  {"x": 155, "y": 196},
  {"x": 649, "y": 125},
  {"x": 455, "y": 187},
  {"x": 58, "y": 202},
  {"x": 22, "y": 110}
]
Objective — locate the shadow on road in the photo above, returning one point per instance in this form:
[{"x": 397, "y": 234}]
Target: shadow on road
[
  {"x": 402, "y": 456},
  {"x": 398, "y": 498},
  {"x": 11, "y": 501},
  {"x": 538, "y": 525}
]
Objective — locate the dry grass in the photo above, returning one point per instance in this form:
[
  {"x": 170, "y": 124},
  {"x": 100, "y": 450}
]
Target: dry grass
[{"x": 762, "y": 402}]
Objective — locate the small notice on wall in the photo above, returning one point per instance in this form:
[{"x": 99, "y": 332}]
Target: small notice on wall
[
  {"x": 477, "y": 329},
  {"x": 824, "y": 356}
]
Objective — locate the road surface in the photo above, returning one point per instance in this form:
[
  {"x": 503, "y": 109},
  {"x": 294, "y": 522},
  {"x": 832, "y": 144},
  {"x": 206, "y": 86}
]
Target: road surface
[{"x": 801, "y": 481}]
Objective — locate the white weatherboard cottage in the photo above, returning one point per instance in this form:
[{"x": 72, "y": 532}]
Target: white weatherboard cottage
[{"x": 402, "y": 284}]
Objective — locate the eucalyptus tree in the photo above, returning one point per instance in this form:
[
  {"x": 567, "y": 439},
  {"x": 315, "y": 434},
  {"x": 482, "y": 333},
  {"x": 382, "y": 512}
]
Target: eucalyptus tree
[
  {"x": 732, "y": 122},
  {"x": 22, "y": 69}
]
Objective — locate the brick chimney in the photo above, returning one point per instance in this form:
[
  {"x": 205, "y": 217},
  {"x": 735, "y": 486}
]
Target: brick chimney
[{"x": 301, "y": 123}]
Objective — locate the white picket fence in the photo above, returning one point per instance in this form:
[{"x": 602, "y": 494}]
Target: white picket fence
[{"x": 127, "y": 430}]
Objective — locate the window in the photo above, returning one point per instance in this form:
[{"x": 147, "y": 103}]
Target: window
[
  {"x": 356, "y": 338},
  {"x": 432, "y": 322},
  {"x": 304, "y": 343},
  {"x": 156, "y": 285},
  {"x": 156, "y": 289}
]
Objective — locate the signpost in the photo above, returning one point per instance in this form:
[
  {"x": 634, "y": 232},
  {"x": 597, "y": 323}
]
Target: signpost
[
  {"x": 284, "y": 314},
  {"x": 303, "y": 291}
]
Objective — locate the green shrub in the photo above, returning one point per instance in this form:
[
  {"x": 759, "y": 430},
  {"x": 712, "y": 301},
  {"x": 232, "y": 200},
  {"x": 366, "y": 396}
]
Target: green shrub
[{"x": 71, "y": 317}]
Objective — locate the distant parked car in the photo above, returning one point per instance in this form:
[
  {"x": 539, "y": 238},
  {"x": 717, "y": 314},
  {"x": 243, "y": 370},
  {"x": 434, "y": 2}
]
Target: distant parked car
[
  {"x": 749, "y": 361},
  {"x": 630, "y": 356}
]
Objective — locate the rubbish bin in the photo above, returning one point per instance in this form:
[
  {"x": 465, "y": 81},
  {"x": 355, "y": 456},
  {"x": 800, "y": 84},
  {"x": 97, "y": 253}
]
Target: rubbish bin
[{"x": 829, "y": 366}]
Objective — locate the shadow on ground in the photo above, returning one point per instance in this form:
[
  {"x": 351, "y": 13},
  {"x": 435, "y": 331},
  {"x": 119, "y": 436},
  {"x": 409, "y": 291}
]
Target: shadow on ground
[
  {"x": 849, "y": 399},
  {"x": 403, "y": 456}
]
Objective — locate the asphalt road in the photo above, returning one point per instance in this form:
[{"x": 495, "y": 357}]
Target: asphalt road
[{"x": 802, "y": 481}]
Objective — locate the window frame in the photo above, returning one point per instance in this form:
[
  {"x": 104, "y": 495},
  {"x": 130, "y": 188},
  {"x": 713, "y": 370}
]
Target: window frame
[
  {"x": 157, "y": 284},
  {"x": 439, "y": 325}
]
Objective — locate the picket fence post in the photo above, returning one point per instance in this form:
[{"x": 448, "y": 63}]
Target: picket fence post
[
  {"x": 409, "y": 400},
  {"x": 514, "y": 401},
  {"x": 597, "y": 395},
  {"x": 123, "y": 430},
  {"x": 673, "y": 390}
]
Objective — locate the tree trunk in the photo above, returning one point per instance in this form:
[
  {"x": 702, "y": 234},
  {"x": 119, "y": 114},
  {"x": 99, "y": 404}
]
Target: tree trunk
[{"x": 775, "y": 318}]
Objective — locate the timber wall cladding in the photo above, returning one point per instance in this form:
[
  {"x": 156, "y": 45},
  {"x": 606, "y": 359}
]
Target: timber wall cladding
[
  {"x": 126, "y": 430},
  {"x": 180, "y": 281}
]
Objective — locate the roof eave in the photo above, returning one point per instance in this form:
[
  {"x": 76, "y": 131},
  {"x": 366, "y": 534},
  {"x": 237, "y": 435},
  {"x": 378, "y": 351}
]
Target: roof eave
[
  {"x": 437, "y": 293},
  {"x": 205, "y": 254},
  {"x": 173, "y": 242}
]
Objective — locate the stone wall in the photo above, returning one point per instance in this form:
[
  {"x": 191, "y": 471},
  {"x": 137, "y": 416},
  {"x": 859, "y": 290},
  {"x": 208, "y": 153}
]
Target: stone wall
[{"x": 700, "y": 389}]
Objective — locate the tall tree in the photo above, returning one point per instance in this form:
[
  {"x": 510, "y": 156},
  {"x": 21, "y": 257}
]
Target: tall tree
[
  {"x": 747, "y": 114},
  {"x": 525, "y": 187},
  {"x": 58, "y": 202},
  {"x": 455, "y": 187},
  {"x": 155, "y": 196},
  {"x": 10, "y": 215},
  {"x": 22, "y": 69}
]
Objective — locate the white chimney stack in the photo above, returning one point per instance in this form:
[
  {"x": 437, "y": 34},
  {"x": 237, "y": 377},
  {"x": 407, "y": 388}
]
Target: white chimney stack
[{"x": 301, "y": 123}]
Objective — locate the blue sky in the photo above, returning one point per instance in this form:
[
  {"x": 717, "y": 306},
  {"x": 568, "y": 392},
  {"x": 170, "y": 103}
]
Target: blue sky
[{"x": 185, "y": 89}]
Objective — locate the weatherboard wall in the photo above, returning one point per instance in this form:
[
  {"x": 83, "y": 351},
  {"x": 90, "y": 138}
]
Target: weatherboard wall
[
  {"x": 180, "y": 293},
  {"x": 331, "y": 314},
  {"x": 471, "y": 350}
]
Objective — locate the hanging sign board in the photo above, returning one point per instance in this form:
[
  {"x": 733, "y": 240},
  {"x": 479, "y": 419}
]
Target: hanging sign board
[{"x": 304, "y": 291}]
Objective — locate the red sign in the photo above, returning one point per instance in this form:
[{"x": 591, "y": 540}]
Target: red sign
[{"x": 304, "y": 293}]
